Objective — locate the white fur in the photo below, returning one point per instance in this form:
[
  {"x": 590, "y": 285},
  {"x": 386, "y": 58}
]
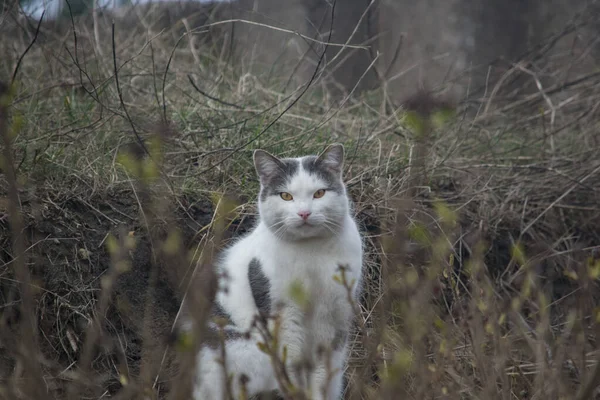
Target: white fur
[{"x": 290, "y": 251}]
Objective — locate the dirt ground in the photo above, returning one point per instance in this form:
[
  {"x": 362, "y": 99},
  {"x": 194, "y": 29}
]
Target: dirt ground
[{"x": 67, "y": 255}]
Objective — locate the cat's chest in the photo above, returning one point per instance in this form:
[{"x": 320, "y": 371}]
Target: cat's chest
[
  {"x": 309, "y": 274},
  {"x": 312, "y": 267},
  {"x": 314, "y": 258}
]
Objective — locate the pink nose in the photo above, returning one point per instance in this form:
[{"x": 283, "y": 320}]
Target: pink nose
[{"x": 304, "y": 214}]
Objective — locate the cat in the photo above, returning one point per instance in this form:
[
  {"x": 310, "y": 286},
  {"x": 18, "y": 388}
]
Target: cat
[{"x": 304, "y": 234}]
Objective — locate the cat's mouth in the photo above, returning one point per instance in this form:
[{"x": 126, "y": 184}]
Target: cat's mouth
[{"x": 305, "y": 224}]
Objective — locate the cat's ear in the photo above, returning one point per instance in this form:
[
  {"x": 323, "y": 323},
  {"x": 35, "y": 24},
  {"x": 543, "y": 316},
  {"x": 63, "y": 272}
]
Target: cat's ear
[
  {"x": 266, "y": 164},
  {"x": 333, "y": 157}
]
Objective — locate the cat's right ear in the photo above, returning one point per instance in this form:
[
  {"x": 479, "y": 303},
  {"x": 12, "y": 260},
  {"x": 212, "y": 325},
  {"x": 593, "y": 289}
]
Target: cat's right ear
[{"x": 266, "y": 164}]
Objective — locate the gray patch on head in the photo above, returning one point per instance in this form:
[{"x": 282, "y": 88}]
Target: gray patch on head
[
  {"x": 339, "y": 340},
  {"x": 313, "y": 166},
  {"x": 272, "y": 185},
  {"x": 260, "y": 286}
]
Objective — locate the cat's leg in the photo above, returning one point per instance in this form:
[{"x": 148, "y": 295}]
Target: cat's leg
[
  {"x": 293, "y": 337},
  {"x": 325, "y": 378},
  {"x": 305, "y": 366},
  {"x": 243, "y": 358},
  {"x": 328, "y": 377}
]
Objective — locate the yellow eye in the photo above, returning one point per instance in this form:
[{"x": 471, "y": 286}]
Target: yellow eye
[
  {"x": 286, "y": 196},
  {"x": 319, "y": 193}
]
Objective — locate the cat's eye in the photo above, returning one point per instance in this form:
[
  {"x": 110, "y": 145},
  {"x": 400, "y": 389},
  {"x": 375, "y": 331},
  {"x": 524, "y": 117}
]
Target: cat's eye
[
  {"x": 319, "y": 193},
  {"x": 286, "y": 196}
]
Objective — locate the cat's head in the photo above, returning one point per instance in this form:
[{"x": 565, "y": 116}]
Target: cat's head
[{"x": 302, "y": 197}]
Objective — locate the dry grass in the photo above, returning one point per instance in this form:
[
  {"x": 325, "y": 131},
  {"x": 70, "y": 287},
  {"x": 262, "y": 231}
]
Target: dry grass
[{"x": 482, "y": 267}]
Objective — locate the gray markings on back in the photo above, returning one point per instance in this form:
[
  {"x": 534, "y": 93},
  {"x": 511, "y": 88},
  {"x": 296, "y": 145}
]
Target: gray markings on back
[{"x": 260, "y": 286}]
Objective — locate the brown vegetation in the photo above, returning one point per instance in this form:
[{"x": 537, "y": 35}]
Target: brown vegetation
[{"x": 127, "y": 164}]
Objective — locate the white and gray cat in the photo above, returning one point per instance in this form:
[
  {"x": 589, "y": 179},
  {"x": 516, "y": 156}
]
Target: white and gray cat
[{"x": 304, "y": 234}]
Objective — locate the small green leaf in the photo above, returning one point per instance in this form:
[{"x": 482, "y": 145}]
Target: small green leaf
[
  {"x": 112, "y": 245},
  {"x": 446, "y": 215},
  {"x": 262, "y": 347},
  {"x": 482, "y": 306},
  {"x": 594, "y": 269},
  {"x": 442, "y": 116},
  {"x": 518, "y": 254},
  {"x": 129, "y": 162},
  {"x": 185, "y": 341},
  {"x": 298, "y": 294},
  {"x": 172, "y": 244},
  {"x": 150, "y": 169},
  {"x": 571, "y": 274},
  {"x": 414, "y": 122},
  {"x": 419, "y": 234},
  {"x": 502, "y": 319}
]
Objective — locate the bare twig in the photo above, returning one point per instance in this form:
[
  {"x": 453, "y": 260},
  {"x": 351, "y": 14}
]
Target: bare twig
[
  {"x": 37, "y": 32},
  {"x": 308, "y": 38},
  {"x": 135, "y": 132},
  {"x": 203, "y": 93}
]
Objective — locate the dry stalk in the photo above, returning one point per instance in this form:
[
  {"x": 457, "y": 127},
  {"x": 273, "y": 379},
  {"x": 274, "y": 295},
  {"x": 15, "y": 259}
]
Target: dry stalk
[{"x": 35, "y": 387}]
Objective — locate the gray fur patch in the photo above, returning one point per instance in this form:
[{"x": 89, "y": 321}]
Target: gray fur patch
[
  {"x": 219, "y": 311},
  {"x": 273, "y": 184},
  {"x": 231, "y": 332},
  {"x": 339, "y": 340},
  {"x": 260, "y": 286},
  {"x": 313, "y": 166}
]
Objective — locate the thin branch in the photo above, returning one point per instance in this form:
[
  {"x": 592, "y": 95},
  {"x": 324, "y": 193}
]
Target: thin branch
[
  {"x": 327, "y": 44},
  {"x": 135, "y": 132},
  {"x": 37, "y": 32},
  {"x": 212, "y": 97},
  {"x": 36, "y": 387},
  {"x": 165, "y": 76}
]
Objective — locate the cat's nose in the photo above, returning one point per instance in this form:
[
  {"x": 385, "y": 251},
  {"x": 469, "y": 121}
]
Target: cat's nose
[{"x": 304, "y": 214}]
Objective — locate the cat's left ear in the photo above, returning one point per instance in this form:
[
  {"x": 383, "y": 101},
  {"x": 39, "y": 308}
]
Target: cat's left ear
[
  {"x": 266, "y": 164},
  {"x": 333, "y": 158}
]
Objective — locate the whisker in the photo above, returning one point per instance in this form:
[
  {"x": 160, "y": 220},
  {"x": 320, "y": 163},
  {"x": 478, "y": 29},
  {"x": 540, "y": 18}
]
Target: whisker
[
  {"x": 276, "y": 233},
  {"x": 333, "y": 223},
  {"x": 276, "y": 224},
  {"x": 334, "y": 232}
]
